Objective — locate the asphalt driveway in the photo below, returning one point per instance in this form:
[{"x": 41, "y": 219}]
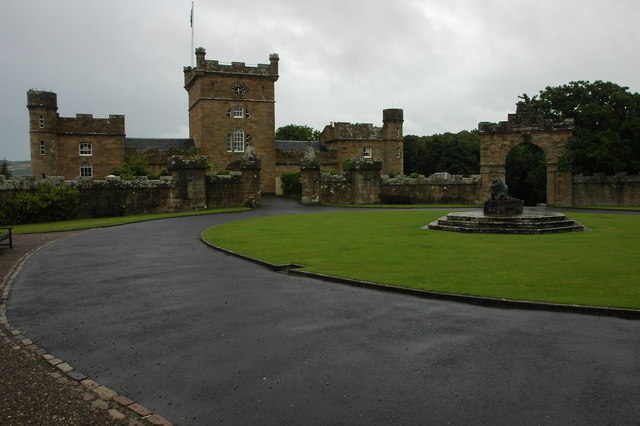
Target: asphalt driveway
[{"x": 202, "y": 337}]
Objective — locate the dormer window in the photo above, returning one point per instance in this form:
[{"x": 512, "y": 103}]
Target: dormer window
[{"x": 85, "y": 148}]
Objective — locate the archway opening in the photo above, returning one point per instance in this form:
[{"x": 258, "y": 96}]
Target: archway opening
[{"x": 526, "y": 174}]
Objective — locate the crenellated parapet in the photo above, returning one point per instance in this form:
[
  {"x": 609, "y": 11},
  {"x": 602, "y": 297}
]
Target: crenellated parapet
[
  {"x": 206, "y": 66},
  {"x": 525, "y": 119}
]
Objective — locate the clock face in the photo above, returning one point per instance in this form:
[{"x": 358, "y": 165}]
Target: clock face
[{"x": 238, "y": 90}]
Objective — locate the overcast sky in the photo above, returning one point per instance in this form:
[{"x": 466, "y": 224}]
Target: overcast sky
[{"x": 449, "y": 64}]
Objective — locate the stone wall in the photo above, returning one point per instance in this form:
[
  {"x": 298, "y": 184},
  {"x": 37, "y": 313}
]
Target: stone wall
[
  {"x": 433, "y": 190},
  {"x": 363, "y": 184},
  {"x": 601, "y": 190},
  {"x": 189, "y": 187}
]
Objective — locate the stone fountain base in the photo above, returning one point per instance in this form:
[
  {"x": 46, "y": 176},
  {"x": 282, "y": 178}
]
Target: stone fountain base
[{"x": 527, "y": 222}]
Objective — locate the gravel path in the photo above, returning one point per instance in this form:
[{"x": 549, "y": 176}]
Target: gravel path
[{"x": 32, "y": 391}]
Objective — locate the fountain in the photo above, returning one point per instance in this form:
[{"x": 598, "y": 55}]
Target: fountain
[{"x": 505, "y": 215}]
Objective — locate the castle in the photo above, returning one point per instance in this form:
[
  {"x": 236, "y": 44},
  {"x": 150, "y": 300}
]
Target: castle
[{"x": 231, "y": 106}]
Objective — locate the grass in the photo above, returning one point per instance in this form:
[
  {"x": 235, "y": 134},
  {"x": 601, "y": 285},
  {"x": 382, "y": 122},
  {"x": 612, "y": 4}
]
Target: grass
[
  {"x": 597, "y": 268},
  {"x": 75, "y": 224},
  {"x": 408, "y": 206}
]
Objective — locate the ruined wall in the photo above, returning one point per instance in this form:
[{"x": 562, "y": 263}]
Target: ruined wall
[{"x": 619, "y": 190}]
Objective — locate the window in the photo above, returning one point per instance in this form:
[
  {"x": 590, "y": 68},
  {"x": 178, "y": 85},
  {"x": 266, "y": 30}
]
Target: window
[
  {"x": 238, "y": 140},
  {"x": 86, "y": 170},
  {"x": 246, "y": 114},
  {"x": 238, "y": 111},
  {"x": 85, "y": 148},
  {"x": 41, "y": 121},
  {"x": 367, "y": 152},
  {"x": 42, "y": 148},
  {"x": 229, "y": 143},
  {"x": 397, "y": 152}
]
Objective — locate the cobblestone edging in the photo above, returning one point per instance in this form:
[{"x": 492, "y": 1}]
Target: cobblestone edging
[
  {"x": 119, "y": 407},
  {"x": 294, "y": 269}
]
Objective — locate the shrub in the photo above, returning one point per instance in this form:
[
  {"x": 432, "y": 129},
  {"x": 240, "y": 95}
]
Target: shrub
[
  {"x": 291, "y": 184},
  {"x": 48, "y": 203},
  {"x": 346, "y": 164},
  {"x": 134, "y": 165}
]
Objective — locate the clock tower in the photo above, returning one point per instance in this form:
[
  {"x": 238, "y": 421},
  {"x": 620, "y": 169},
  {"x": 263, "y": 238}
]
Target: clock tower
[{"x": 232, "y": 106}]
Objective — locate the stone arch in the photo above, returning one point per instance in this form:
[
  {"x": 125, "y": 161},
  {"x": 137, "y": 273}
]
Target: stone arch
[{"x": 526, "y": 125}]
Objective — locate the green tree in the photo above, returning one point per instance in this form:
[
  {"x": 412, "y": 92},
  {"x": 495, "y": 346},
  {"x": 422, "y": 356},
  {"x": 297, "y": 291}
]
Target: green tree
[
  {"x": 134, "y": 165},
  {"x": 296, "y": 132},
  {"x": 456, "y": 153},
  {"x": 607, "y": 125},
  {"x": 526, "y": 174},
  {"x": 4, "y": 169}
]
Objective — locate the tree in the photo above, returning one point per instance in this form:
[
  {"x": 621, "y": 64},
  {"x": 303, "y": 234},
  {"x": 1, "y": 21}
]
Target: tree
[
  {"x": 606, "y": 137},
  {"x": 296, "y": 132},
  {"x": 4, "y": 169},
  {"x": 134, "y": 165},
  {"x": 457, "y": 153},
  {"x": 526, "y": 174}
]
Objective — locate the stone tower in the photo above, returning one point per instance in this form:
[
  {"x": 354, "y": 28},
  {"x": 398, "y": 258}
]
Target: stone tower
[
  {"x": 43, "y": 117},
  {"x": 230, "y": 107},
  {"x": 80, "y": 146},
  {"x": 392, "y": 120}
]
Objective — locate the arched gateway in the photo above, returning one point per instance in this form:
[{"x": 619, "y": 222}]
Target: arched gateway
[{"x": 527, "y": 125}]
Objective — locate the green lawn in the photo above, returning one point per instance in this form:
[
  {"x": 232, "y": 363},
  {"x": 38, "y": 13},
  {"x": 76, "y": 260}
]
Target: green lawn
[
  {"x": 69, "y": 225},
  {"x": 600, "y": 267}
]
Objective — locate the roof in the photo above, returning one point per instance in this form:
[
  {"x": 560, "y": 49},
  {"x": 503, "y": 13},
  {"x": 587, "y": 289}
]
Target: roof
[
  {"x": 143, "y": 144},
  {"x": 289, "y": 146}
]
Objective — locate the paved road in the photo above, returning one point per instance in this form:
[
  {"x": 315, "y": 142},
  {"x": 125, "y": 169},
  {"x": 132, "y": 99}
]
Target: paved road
[{"x": 203, "y": 338}]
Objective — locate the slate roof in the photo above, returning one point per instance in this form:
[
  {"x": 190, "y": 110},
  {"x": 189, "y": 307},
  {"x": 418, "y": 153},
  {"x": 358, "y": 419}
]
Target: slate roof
[
  {"x": 289, "y": 146},
  {"x": 143, "y": 144}
]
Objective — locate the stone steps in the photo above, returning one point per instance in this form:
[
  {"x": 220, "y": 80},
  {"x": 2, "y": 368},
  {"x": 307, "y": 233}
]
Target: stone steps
[{"x": 526, "y": 223}]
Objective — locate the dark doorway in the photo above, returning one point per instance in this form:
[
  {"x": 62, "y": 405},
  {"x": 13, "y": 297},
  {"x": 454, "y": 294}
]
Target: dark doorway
[{"x": 526, "y": 174}]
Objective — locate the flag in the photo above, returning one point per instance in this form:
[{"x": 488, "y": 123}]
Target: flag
[{"x": 191, "y": 16}]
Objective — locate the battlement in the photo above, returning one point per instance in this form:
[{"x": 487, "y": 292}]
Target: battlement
[
  {"x": 86, "y": 124},
  {"x": 41, "y": 99},
  {"x": 234, "y": 68},
  {"x": 526, "y": 119},
  {"x": 351, "y": 131}
]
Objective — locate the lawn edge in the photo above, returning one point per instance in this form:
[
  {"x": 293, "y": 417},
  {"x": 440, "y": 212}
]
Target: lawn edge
[{"x": 295, "y": 269}]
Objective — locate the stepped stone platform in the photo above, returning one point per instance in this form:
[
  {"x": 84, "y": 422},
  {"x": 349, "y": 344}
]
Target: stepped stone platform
[{"x": 528, "y": 222}]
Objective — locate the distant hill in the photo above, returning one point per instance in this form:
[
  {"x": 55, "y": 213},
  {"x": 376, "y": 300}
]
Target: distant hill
[{"x": 20, "y": 168}]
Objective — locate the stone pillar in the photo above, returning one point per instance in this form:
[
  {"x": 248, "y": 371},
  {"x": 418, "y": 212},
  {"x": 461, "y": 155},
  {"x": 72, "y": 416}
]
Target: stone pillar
[
  {"x": 365, "y": 180},
  {"x": 559, "y": 187},
  {"x": 189, "y": 184},
  {"x": 310, "y": 178},
  {"x": 250, "y": 180}
]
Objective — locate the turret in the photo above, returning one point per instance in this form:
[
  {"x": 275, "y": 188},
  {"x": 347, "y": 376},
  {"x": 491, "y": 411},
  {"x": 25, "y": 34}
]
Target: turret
[
  {"x": 43, "y": 123},
  {"x": 392, "y": 120}
]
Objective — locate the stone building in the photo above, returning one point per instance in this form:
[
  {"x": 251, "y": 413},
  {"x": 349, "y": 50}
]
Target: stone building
[
  {"x": 72, "y": 146},
  {"x": 231, "y": 106},
  {"x": 367, "y": 141},
  {"x": 340, "y": 141}
]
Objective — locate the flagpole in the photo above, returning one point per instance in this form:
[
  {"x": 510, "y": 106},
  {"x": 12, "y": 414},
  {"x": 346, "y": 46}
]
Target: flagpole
[{"x": 192, "y": 49}]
